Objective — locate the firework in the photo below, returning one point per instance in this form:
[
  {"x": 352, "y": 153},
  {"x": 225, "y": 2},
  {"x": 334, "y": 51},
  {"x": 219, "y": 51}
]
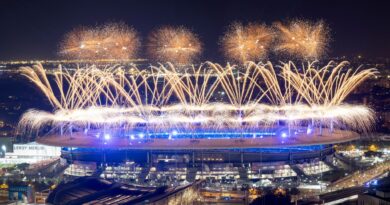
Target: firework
[
  {"x": 247, "y": 43},
  {"x": 174, "y": 44},
  {"x": 213, "y": 117},
  {"x": 115, "y": 96},
  {"x": 303, "y": 39},
  {"x": 110, "y": 41}
]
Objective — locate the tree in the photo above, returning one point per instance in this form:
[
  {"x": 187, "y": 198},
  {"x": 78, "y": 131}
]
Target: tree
[{"x": 271, "y": 199}]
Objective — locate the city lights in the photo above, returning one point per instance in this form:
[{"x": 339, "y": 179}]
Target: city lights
[{"x": 179, "y": 103}]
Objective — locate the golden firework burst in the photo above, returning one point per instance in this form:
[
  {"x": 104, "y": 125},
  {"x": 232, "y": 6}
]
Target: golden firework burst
[
  {"x": 174, "y": 44},
  {"x": 250, "y": 42},
  {"x": 109, "y": 41},
  {"x": 303, "y": 39}
]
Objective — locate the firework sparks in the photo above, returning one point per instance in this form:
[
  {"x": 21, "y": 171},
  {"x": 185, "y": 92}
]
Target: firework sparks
[
  {"x": 174, "y": 44},
  {"x": 247, "y": 43},
  {"x": 304, "y": 39},
  {"x": 113, "y": 97},
  {"x": 110, "y": 41}
]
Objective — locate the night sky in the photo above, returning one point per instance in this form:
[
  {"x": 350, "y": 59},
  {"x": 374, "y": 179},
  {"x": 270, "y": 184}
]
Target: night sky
[{"x": 32, "y": 29}]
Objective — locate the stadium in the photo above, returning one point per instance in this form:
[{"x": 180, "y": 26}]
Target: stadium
[{"x": 179, "y": 117}]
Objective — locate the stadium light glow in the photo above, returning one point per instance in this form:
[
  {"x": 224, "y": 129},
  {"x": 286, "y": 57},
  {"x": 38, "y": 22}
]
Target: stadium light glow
[
  {"x": 132, "y": 137},
  {"x": 309, "y": 130},
  {"x": 284, "y": 135},
  {"x": 107, "y": 136}
]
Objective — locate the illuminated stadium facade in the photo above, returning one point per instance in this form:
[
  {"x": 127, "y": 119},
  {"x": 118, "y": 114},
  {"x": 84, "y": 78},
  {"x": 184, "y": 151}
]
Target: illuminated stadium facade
[{"x": 280, "y": 114}]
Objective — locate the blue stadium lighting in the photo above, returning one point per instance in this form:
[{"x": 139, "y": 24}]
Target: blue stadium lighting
[
  {"x": 284, "y": 135},
  {"x": 309, "y": 130},
  {"x": 254, "y": 135},
  {"x": 374, "y": 182},
  {"x": 132, "y": 137},
  {"x": 107, "y": 136},
  {"x": 203, "y": 134},
  {"x": 267, "y": 150},
  {"x": 141, "y": 135},
  {"x": 97, "y": 135},
  {"x": 170, "y": 137}
]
